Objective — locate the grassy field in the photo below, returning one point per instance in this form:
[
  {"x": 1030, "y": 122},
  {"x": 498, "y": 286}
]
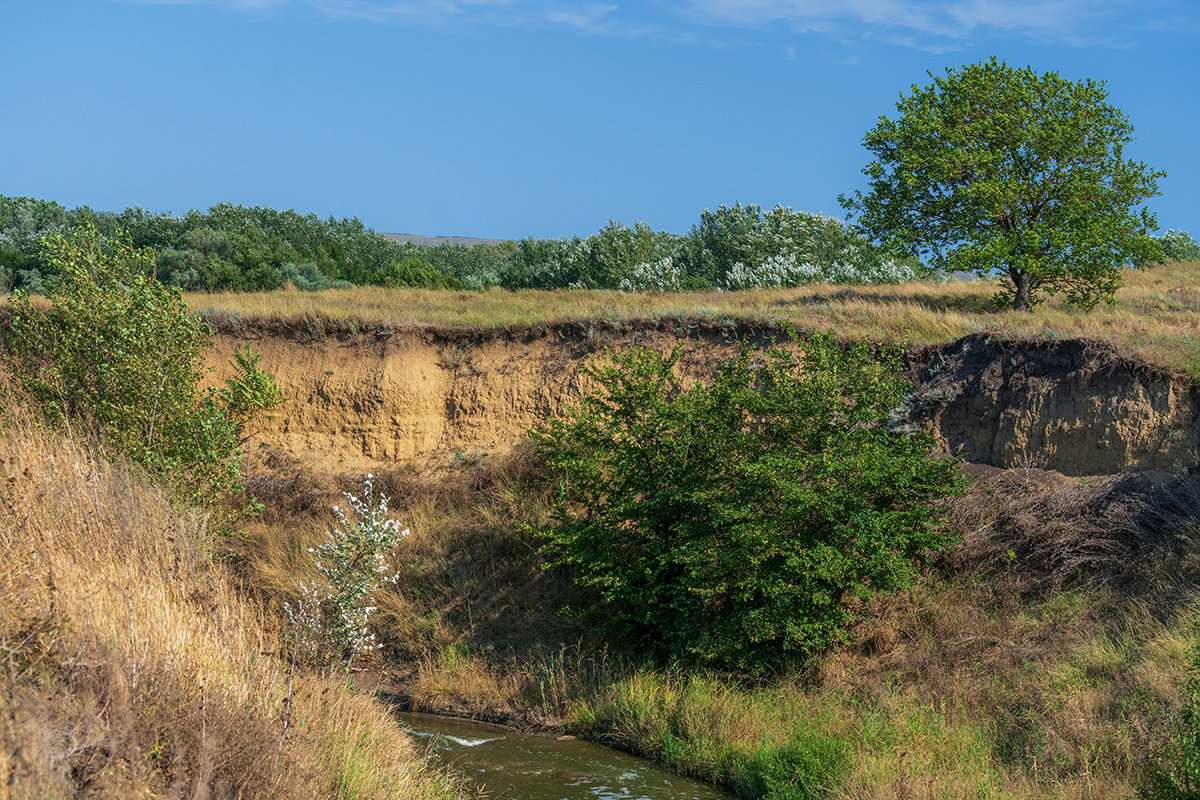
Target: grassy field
[{"x": 1156, "y": 315}]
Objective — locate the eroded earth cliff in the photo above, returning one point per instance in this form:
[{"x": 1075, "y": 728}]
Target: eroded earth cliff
[{"x": 359, "y": 400}]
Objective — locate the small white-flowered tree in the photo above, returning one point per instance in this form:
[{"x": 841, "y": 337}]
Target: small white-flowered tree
[{"x": 329, "y": 623}]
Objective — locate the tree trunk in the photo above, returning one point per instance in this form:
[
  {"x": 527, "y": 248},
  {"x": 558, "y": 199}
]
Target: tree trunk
[{"x": 1021, "y": 280}]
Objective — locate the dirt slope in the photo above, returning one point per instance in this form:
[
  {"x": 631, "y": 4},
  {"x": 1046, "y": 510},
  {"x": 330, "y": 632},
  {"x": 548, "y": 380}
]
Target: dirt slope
[{"x": 363, "y": 400}]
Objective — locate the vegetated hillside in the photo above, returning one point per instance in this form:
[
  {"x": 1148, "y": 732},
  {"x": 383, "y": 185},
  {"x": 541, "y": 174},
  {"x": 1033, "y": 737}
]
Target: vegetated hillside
[
  {"x": 134, "y": 670},
  {"x": 365, "y": 400},
  {"x": 1044, "y": 656}
]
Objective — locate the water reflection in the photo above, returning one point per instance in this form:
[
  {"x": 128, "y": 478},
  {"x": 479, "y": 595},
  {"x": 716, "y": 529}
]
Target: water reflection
[{"x": 520, "y": 766}]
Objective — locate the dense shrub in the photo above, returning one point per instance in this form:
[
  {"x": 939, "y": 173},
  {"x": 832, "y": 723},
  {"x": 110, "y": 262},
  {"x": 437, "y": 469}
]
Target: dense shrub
[
  {"x": 305, "y": 277},
  {"x": 414, "y": 271},
  {"x": 735, "y": 524},
  {"x": 743, "y": 247},
  {"x": 117, "y": 350},
  {"x": 476, "y": 266}
]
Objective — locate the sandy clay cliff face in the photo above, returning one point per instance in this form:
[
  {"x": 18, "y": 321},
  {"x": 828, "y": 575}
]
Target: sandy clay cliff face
[{"x": 360, "y": 401}]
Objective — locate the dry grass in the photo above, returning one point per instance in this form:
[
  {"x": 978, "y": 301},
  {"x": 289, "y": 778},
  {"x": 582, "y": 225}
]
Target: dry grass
[
  {"x": 1157, "y": 313},
  {"x": 132, "y": 669},
  {"x": 1132, "y": 532},
  {"x": 469, "y": 576}
]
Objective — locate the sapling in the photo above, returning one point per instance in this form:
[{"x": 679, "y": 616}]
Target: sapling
[{"x": 330, "y": 620}]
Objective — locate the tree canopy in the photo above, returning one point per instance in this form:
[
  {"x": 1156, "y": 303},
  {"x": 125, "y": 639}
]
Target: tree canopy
[
  {"x": 994, "y": 169},
  {"x": 739, "y": 524}
]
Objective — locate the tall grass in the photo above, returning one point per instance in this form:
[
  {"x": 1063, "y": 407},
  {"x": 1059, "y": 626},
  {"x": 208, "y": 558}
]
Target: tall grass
[
  {"x": 1156, "y": 314},
  {"x": 130, "y": 666}
]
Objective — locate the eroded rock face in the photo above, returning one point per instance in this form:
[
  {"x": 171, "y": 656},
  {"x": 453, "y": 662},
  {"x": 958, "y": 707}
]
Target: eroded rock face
[
  {"x": 361, "y": 402},
  {"x": 1074, "y": 406}
]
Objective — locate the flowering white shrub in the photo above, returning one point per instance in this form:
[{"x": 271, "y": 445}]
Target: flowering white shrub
[
  {"x": 663, "y": 275},
  {"x": 787, "y": 270},
  {"x": 329, "y": 622},
  {"x": 1179, "y": 246},
  {"x": 774, "y": 271}
]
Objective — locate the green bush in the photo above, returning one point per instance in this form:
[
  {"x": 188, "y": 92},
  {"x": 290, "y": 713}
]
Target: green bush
[
  {"x": 1174, "y": 769},
  {"x": 306, "y": 277},
  {"x": 118, "y": 351},
  {"x": 414, "y": 271},
  {"x": 1179, "y": 246},
  {"x": 804, "y": 768},
  {"x": 736, "y": 524}
]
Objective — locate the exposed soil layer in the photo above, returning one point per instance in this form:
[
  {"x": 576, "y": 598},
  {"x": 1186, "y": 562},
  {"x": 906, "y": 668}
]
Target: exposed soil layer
[
  {"x": 362, "y": 400},
  {"x": 1075, "y": 406}
]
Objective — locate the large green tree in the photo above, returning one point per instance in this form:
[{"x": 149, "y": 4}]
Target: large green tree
[{"x": 1006, "y": 171}]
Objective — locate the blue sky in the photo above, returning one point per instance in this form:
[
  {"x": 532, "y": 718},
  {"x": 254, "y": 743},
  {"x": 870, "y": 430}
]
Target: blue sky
[{"x": 511, "y": 118}]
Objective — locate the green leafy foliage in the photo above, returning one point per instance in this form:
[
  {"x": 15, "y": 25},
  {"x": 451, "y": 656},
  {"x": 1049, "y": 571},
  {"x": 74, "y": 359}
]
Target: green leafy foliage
[
  {"x": 118, "y": 351},
  {"x": 1178, "y": 246},
  {"x": 306, "y": 277},
  {"x": 739, "y": 524},
  {"x": 251, "y": 390},
  {"x": 1174, "y": 771},
  {"x": 1006, "y": 171},
  {"x": 414, "y": 271}
]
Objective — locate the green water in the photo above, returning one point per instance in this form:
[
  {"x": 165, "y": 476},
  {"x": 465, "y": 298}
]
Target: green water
[{"x": 523, "y": 766}]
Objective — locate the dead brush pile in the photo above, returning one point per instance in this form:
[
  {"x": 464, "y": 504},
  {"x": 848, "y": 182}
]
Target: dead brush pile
[
  {"x": 130, "y": 668},
  {"x": 1134, "y": 532}
]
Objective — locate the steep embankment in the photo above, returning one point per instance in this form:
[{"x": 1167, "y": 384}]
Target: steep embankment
[{"x": 360, "y": 400}]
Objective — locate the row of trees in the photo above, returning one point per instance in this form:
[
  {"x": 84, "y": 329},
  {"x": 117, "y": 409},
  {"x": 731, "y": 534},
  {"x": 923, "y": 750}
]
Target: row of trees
[
  {"x": 240, "y": 248},
  {"x": 225, "y": 247}
]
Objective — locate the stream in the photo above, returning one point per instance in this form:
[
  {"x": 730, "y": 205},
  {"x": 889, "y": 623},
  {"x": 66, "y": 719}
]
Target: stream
[{"x": 526, "y": 766}]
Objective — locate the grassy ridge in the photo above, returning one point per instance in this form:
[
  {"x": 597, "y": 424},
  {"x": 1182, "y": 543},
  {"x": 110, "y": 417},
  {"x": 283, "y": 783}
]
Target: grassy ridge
[
  {"x": 131, "y": 667},
  {"x": 1156, "y": 316}
]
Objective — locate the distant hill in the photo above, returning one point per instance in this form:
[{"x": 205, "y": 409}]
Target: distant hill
[{"x": 433, "y": 241}]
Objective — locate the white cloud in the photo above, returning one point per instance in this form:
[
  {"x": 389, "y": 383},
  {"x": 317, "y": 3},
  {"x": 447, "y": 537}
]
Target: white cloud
[
  {"x": 926, "y": 24},
  {"x": 930, "y": 23},
  {"x": 589, "y": 18}
]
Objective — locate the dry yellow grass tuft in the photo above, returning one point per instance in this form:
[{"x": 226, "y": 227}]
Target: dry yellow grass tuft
[
  {"x": 1156, "y": 314},
  {"x": 132, "y": 669}
]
